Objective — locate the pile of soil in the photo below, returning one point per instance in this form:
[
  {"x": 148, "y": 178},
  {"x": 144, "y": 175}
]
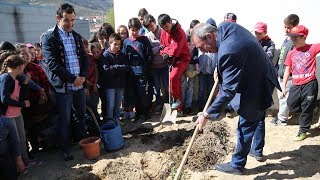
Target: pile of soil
[
  {"x": 154, "y": 155},
  {"x": 150, "y": 152}
]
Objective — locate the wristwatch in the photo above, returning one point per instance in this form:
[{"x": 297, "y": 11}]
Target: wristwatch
[{"x": 206, "y": 115}]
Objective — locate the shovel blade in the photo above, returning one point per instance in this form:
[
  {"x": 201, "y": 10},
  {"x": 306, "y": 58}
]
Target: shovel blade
[{"x": 167, "y": 116}]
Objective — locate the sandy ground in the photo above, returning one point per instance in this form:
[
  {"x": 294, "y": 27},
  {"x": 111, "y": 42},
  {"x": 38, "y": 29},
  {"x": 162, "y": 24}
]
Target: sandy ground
[{"x": 151, "y": 152}]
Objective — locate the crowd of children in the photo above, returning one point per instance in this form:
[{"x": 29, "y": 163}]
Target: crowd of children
[{"x": 129, "y": 71}]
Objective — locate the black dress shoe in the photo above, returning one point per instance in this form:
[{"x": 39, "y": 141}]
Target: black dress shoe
[
  {"x": 227, "y": 168},
  {"x": 259, "y": 158},
  {"x": 67, "y": 157}
]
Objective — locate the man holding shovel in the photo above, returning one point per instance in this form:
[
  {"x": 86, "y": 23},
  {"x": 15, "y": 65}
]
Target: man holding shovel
[{"x": 247, "y": 82}]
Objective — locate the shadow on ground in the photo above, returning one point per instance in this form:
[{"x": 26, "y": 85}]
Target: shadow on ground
[{"x": 301, "y": 163}]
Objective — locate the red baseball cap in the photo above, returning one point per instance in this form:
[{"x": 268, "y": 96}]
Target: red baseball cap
[
  {"x": 299, "y": 30},
  {"x": 260, "y": 27}
]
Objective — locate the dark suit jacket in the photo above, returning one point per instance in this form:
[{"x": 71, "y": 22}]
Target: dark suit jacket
[
  {"x": 247, "y": 75},
  {"x": 54, "y": 56}
]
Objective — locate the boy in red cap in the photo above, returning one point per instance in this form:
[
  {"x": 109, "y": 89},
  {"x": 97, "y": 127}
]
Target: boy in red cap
[
  {"x": 301, "y": 62},
  {"x": 260, "y": 31}
]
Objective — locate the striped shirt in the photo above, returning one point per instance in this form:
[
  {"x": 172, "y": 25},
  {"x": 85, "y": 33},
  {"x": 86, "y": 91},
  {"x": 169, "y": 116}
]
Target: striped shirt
[{"x": 72, "y": 61}]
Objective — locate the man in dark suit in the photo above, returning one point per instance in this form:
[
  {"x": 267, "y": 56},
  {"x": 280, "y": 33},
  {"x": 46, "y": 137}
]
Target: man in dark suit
[
  {"x": 67, "y": 69},
  {"x": 247, "y": 82}
]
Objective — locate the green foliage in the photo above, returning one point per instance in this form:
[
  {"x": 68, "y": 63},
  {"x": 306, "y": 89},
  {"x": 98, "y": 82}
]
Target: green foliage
[{"x": 110, "y": 17}]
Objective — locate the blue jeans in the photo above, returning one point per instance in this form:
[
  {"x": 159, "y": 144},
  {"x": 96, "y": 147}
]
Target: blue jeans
[
  {"x": 113, "y": 103},
  {"x": 187, "y": 90},
  {"x": 205, "y": 85},
  {"x": 65, "y": 101},
  {"x": 246, "y": 131},
  {"x": 160, "y": 75}
]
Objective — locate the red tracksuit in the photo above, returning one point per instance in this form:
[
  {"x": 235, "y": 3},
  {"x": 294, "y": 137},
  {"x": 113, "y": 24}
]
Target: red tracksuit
[{"x": 176, "y": 46}]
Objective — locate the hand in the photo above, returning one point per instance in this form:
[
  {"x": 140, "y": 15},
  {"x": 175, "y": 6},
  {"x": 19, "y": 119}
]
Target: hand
[
  {"x": 28, "y": 78},
  {"x": 79, "y": 81},
  {"x": 43, "y": 97},
  {"x": 27, "y": 103},
  {"x": 284, "y": 91},
  {"x": 161, "y": 47},
  {"x": 198, "y": 68},
  {"x": 202, "y": 121},
  {"x": 87, "y": 92},
  {"x": 20, "y": 164}
]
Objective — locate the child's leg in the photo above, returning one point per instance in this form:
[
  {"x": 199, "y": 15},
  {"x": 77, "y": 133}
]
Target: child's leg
[
  {"x": 8, "y": 169},
  {"x": 189, "y": 92},
  {"x": 309, "y": 96},
  {"x": 117, "y": 103},
  {"x": 110, "y": 102},
  {"x": 19, "y": 125}
]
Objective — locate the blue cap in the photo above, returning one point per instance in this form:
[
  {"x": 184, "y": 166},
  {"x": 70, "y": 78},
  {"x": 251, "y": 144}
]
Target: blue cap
[{"x": 212, "y": 22}]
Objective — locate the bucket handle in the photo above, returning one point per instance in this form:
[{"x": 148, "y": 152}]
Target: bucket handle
[{"x": 114, "y": 120}]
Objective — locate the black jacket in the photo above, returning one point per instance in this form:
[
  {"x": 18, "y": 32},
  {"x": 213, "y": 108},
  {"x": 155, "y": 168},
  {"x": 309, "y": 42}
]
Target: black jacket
[
  {"x": 113, "y": 69},
  {"x": 54, "y": 56}
]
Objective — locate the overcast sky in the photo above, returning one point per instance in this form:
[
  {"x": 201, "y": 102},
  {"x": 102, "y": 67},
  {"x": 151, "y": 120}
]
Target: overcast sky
[{"x": 249, "y": 12}]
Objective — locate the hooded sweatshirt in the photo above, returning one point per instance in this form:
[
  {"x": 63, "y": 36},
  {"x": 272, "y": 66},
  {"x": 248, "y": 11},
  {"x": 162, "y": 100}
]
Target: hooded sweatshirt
[{"x": 175, "y": 43}]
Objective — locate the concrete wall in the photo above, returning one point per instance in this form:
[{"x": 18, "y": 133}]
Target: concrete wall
[{"x": 26, "y": 23}]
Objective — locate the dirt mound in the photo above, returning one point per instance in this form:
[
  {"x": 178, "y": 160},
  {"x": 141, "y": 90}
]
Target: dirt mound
[{"x": 209, "y": 147}]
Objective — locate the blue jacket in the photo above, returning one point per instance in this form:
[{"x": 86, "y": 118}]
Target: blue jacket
[
  {"x": 246, "y": 74},
  {"x": 7, "y": 88},
  {"x": 54, "y": 56},
  {"x": 113, "y": 69}
]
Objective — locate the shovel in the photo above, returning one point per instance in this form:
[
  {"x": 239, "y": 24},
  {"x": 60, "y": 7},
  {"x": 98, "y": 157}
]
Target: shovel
[
  {"x": 167, "y": 114},
  {"x": 195, "y": 133}
]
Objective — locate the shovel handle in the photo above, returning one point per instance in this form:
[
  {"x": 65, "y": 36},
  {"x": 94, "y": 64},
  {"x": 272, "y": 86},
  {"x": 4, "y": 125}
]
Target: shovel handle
[{"x": 195, "y": 133}]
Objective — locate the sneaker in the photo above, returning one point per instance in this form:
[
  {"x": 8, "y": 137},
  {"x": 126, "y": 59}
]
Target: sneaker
[
  {"x": 33, "y": 163},
  {"x": 300, "y": 137},
  {"x": 259, "y": 158},
  {"x": 228, "y": 114},
  {"x": 126, "y": 115},
  {"x": 187, "y": 110},
  {"x": 131, "y": 114},
  {"x": 180, "y": 114},
  {"x": 157, "y": 109},
  {"x": 175, "y": 104},
  {"x": 67, "y": 157},
  {"x": 278, "y": 122}
]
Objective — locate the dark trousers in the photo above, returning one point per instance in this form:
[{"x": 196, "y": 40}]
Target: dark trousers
[
  {"x": 160, "y": 76},
  {"x": 205, "y": 85},
  {"x": 8, "y": 169},
  {"x": 247, "y": 130},
  {"x": 65, "y": 101},
  {"x": 302, "y": 98},
  {"x": 92, "y": 101},
  {"x": 143, "y": 96},
  {"x": 102, "y": 95}
]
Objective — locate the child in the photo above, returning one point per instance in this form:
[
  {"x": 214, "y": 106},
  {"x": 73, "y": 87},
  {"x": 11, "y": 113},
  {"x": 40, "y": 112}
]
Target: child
[
  {"x": 301, "y": 62},
  {"x": 289, "y": 22},
  {"x": 189, "y": 76},
  {"x": 123, "y": 32},
  {"x": 116, "y": 67},
  {"x": 92, "y": 80},
  {"x": 9, "y": 147},
  {"x": 38, "y": 101},
  {"x": 103, "y": 34},
  {"x": 159, "y": 66},
  {"x": 12, "y": 100},
  {"x": 139, "y": 51},
  {"x": 260, "y": 31},
  {"x": 175, "y": 50}
]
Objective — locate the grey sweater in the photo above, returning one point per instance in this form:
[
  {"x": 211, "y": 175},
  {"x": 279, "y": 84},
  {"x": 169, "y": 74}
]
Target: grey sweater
[{"x": 154, "y": 39}]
